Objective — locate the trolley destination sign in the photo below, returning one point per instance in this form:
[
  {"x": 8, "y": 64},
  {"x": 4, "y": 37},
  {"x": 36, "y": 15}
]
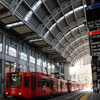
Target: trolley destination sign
[{"x": 94, "y": 41}]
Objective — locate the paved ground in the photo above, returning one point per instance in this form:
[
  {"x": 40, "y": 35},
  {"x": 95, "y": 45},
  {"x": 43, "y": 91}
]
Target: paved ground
[
  {"x": 94, "y": 96},
  {"x": 68, "y": 96}
]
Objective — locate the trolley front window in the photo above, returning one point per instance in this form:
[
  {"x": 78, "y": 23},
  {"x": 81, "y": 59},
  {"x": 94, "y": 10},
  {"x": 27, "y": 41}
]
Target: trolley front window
[{"x": 14, "y": 80}]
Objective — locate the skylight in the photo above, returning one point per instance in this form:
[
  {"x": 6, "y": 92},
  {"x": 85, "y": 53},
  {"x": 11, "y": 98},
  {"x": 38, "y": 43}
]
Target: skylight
[
  {"x": 37, "y": 4},
  {"x": 46, "y": 34},
  {"x": 77, "y": 40},
  {"x": 82, "y": 25},
  {"x": 34, "y": 8},
  {"x": 14, "y": 24},
  {"x": 66, "y": 15},
  {"x": 70, "y": 12},
  {"x": 28, "y": 16},
  {"x": 35, "y": 40},
  {"x": 52, "y": 26}
]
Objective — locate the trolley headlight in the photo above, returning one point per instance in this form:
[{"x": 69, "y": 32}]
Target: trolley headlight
[
  {"x": 7, "y": 93},
  {"x": 19, "y": 93}
]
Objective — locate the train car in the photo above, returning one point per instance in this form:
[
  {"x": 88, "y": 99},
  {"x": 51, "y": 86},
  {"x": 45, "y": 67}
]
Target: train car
[
  {"x": 59, "y": 88},
  {"x": 27, "y": 85},
  {"x": 36, "y": 85},
  {"x": 71, "y": 86},
  {"x": 77, "y": 86},
  {"x": 74, "y": 86},
  {"x": 53, "y": 86},
  {"x": 81, "y": 86},
  {"x": 64, "y": 86},
  {"x": 42, "y": 85},
  {"x": 18, "y": 85}
]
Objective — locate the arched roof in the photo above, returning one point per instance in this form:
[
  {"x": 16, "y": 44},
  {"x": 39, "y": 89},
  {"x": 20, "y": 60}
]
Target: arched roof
[{"x": 54, "y": 25}]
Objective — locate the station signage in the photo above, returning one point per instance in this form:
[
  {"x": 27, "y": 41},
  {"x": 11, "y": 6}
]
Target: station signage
[
  {"x": 90, "y": 2},
  {"x": 93, "y": 17},
  {"x": 94, "y": 41}
]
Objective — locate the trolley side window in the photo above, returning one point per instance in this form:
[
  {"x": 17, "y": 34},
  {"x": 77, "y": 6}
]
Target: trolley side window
[
  {"x": 44, "y": 83},
  {"x": 26, "y": 81},
  {"x": 40, "y": 82},
  {"x": 51, "y": 84}
]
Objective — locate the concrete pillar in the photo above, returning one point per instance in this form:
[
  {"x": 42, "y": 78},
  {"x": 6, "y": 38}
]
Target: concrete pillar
[
  {"x": 28, "y": 58},
  {"x": 42, "y": 58},
  {"x": 17, "y": 56},
  {"x": 47, "y": 65},
  {"x": 60, "y": 76},
  {"x": 36, "y": 55},
  {"x": 66, "y": 72},
  {"x": 3, "y": 78}
]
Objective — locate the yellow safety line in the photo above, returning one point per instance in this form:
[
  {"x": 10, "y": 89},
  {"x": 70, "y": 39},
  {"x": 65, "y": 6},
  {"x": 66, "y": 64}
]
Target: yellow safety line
[{"x": 85, "y": 96}]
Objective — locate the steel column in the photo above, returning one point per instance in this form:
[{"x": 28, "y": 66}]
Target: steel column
[{"x": 3, "y": 68}]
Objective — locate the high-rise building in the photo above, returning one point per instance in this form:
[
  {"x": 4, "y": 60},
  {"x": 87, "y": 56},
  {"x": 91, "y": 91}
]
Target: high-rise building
[{"x": 82, "y": 72}]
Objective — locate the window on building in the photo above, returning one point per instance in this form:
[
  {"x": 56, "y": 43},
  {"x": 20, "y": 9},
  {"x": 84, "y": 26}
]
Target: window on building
[
  {"x": 23, "y": 68},
  {"x": 31, "y": 56},
  {"x": 49, "y": 68},
  {"x": 39, "y": 65},
  {"x": 23, "y": 52},
  {"x": 53, "y": 68},
  {"x": 1, "y": 41},
  {"x": 39, "y": 61},
  {"x": 44, "y": 67},
  {"x": 44, "y": 64},
  {"x": 11, "y": 47},
  {"x": 32, "y": 68},
  {"x": 9, "y": 67}
]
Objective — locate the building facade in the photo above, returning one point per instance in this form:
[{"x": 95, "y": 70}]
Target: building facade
[
  {"x": 83, "y": 73},
  {"x": 15, "y": 54}
]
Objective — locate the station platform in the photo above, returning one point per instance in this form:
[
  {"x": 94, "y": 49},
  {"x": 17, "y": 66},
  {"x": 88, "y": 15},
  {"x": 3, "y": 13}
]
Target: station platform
[
  {"x": 78, "y": 95},
  {"x": 94, "y": 96}
]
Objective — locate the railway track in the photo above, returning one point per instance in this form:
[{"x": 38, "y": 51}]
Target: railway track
[
  {"x": 68, "y": 96},
  {"x": 75, "y": 96}
]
